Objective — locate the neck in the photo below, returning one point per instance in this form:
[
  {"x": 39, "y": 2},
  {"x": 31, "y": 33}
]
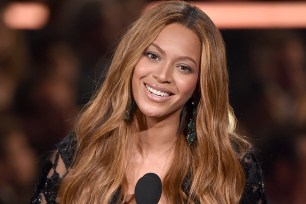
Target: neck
[{"x": 157, "y": 135}]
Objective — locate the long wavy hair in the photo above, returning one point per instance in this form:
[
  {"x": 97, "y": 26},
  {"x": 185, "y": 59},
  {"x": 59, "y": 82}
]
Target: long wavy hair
[{"x": 104, "y": 137}]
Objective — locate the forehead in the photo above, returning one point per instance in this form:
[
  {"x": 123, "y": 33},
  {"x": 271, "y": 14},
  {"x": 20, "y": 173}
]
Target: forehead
[
  {"x": 177, "y": 30},
  {"x": 179, "y": 39}
]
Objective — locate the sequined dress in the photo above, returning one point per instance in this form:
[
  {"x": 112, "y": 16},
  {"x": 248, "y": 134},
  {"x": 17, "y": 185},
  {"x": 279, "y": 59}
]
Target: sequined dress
[{"x": 61, "y": 159}]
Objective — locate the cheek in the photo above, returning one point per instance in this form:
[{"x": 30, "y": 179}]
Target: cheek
[
  {"x": 138, "y": 73},
  {"x": 134, "y": 83},
  {"x": 140, "y": 70},
  {"x": 187, "y": 85},
  {"x": 190, "y": 88}
]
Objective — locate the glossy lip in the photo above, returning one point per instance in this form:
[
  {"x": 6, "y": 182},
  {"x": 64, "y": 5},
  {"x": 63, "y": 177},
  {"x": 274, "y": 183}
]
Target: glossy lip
[
  {"x": 159, "y": 88},
  {"x": 154, "y": 97}
]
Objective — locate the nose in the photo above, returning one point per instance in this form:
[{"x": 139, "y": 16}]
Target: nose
[{"x": 164, "y": 74}]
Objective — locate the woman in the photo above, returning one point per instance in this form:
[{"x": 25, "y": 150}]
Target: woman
[{"x": 163, "y": 109}]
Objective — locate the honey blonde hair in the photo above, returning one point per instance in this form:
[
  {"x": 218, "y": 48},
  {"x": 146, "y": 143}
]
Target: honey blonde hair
[{"x": 104, "y": 137}]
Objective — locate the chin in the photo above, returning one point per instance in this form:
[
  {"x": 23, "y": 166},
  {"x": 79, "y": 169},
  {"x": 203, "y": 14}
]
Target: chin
[
  {"x": 151, "y": 113},
  {"x": 159, "y": 113}
]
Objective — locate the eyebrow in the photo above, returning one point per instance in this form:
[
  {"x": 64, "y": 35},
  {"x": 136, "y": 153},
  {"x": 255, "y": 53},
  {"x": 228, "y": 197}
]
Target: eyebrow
[
  {"x": 182, "y": 57},
  {"x": 157, "y": 47}
]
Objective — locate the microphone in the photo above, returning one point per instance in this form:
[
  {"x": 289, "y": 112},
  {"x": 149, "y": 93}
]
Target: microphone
[{"x": 148, "y": 189}]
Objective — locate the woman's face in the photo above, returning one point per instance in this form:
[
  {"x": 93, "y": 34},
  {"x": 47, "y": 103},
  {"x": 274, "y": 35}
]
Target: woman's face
[{"x": 166, "y": 75}]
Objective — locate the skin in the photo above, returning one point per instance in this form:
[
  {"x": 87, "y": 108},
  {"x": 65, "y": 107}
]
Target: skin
[{"x": 169, "y": 65}]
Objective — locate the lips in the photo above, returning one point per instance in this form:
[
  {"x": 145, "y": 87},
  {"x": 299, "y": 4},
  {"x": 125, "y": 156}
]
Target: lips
[{"x": 156, "y": 92}]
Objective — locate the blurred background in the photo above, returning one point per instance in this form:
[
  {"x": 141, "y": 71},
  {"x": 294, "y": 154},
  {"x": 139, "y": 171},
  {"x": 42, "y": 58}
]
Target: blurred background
[{"x": 54, "y": 54}]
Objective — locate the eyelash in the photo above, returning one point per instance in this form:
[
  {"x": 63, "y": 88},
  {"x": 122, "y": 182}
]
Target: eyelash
[
  {"x": 152, "y": 56},
  {"x": 184, "y": 68},
  {"x": 155, "y": 57}
]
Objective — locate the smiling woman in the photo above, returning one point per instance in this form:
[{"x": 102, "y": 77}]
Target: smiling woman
[
  {"x": 163, "y": 110},
  {"x": 166, "y": 75}
]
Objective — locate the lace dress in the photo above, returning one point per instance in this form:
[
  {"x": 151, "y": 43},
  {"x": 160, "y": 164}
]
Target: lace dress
[{"x": 60, "y": 160}]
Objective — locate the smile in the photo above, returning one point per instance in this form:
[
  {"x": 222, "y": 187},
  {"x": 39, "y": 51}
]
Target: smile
[{"x": 156, "y": 92}]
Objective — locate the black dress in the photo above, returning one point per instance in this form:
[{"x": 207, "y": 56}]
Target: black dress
[{"x": 48, "y": 184}]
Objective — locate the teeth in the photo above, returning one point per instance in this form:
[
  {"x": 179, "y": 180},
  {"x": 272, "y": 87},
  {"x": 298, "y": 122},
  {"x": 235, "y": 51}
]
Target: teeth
[{"x": 158, "y": 93}]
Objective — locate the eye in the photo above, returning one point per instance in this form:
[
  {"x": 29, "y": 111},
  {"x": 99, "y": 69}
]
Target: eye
[
  {"x": 152, "y": 56},
  {"x": 184, "y": 68}
]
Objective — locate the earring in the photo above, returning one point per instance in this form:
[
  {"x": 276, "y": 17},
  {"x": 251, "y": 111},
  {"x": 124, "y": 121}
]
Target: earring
[
  {"x": 191, "y": 130},
  {"x": 129, "y": 113}
]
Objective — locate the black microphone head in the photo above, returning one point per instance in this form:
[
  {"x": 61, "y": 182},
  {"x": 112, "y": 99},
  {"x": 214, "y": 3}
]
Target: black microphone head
[{"x": 148, "y": 189}]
